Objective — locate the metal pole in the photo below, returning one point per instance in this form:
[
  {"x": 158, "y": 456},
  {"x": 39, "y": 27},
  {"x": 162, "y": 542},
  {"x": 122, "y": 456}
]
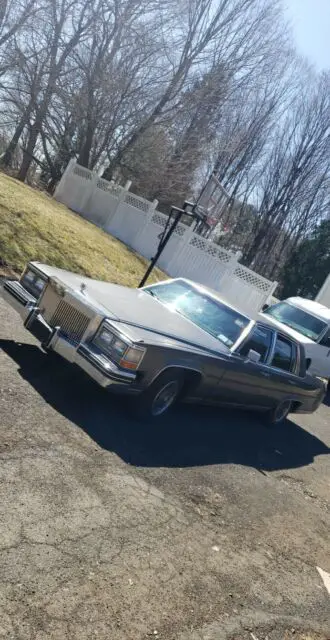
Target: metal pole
[{"x": 162, "y": 244}]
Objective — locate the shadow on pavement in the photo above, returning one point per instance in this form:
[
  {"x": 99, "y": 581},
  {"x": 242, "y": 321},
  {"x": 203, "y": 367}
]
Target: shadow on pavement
[{"x": 189, "y": 436}]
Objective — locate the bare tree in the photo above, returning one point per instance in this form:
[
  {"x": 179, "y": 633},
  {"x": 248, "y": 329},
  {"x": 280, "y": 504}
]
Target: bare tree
[
  {"x": 294, "y": 190},
  {"x": 227, "y": 34},
  {"x": 61, "y": 24},
  {"x": 13, "y": 15}
]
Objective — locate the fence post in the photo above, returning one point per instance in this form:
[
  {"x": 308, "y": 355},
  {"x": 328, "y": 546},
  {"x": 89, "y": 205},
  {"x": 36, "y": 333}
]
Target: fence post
[
  {"x": 232, "y": 264},
  {"x": 88, "y": 201},
  {"x": 62, "y": 183},
  {"x": 113, "y": 212},
  {"x": 273, "y": 289},
  {"x": 146, "y": 222}
]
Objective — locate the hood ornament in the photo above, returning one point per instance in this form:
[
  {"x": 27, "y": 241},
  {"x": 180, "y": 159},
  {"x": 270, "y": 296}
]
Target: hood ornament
[{"x": 83, "y": 288}]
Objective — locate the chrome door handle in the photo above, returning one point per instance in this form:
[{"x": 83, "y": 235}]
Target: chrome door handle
[{"x": 264, "y": 374}]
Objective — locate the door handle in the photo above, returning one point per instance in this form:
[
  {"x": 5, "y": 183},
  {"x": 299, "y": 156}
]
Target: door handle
[{"x": 265, "y": 374}]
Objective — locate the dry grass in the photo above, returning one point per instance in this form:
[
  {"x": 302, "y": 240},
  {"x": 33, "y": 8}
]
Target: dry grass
[{"x": 36, "y": 227}]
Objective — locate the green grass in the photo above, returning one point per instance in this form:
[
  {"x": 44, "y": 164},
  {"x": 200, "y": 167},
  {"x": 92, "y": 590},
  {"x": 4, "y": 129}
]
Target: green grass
[{"x": 33, "y": 226}]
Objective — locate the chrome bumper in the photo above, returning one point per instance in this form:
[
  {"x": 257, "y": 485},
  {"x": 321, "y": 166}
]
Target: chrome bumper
[
  {"x": 97, "y": 366},
  {"x": 20, "y": 299}
]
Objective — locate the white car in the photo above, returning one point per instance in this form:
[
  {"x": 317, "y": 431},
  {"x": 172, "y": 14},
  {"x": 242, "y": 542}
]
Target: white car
[{"x": 308, "y": 322}]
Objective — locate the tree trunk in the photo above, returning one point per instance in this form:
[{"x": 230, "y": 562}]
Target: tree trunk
[
  {"x": 28, "y": 152},
  {"x": 85, "y": 151},
  {"x": 150, "y": 120},
  {"x": 7, "y": 158}
]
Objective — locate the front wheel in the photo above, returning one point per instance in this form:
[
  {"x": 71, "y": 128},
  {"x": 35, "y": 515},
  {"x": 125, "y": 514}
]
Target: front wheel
[
  {"x": 155, "y": 401},
  {"x": 277, "y": 415}
]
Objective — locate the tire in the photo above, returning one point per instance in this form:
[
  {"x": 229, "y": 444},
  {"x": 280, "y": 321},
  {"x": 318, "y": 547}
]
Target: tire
[
  {"x": 278, "y": 415},
  {"x": 159, "y": 398}
]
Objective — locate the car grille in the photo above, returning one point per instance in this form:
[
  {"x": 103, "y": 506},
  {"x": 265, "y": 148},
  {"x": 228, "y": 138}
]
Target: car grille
[{"x": 73, "y": 323}]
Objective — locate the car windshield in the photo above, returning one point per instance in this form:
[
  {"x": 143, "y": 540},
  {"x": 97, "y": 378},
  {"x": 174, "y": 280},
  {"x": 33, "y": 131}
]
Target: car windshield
[
  {"x": 213, "y": 316},
  {"x": 297, "y": 319}
]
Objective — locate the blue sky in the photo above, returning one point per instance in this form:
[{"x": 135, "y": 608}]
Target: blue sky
[{"x": 311, "y": 24}]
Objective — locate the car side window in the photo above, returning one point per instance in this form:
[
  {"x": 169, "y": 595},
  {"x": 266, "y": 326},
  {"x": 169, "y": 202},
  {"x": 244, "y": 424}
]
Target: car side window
[
  {"x": 260, "y": 340},
  {"x": 285, "y": 355}
]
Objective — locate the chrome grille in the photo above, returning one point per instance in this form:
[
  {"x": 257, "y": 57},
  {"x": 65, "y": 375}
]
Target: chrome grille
[{"x": 72, "y": 322}]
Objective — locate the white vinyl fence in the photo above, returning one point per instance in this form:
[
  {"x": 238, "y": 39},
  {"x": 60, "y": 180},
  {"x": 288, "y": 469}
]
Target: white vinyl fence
[
  {"x": 323, "y": 296},
  {"x": 138, "y": 223}
]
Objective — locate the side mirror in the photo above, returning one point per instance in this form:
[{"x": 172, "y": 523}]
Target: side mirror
[
  {"x": 254, "y": 356},
  {"x": 265, "y": 307},
  {"x": 308, "y": 363}
]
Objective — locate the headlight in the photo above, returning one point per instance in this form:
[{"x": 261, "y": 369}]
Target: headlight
[
  {"x": 33, "y": 282},
  {"x": 119, "y": 347},
  {"x": 132, "y": 358},
  {"x": 125, "y": 355}
]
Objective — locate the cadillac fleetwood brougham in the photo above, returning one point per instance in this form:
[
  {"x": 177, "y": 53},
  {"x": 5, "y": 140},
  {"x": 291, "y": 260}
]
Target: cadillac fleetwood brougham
[{"x": 174, "y": 340}]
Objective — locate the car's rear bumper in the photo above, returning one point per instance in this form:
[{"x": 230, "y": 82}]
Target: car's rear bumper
[{"x": 97, "y": 366}]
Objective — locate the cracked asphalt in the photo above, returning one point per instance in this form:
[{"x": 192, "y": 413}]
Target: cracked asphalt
[{"x": 208, "y": 529}]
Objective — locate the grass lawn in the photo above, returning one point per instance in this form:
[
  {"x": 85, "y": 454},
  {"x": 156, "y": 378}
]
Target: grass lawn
[{"x": 33, "y": 226}]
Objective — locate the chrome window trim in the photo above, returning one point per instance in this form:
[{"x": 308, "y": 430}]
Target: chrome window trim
[
  {"x": 297, "y": 346},
  {"x": 275, "y": 334},
  {"x": 245, "y": 336},
  {"x": 286, "y": 338}
]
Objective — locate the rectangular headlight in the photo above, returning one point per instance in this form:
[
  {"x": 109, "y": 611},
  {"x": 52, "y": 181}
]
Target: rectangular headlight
[
  {"x": 110, "y": 344},
  {"x": 125, "y": 355},
  {"x": 33, "y": 282}
]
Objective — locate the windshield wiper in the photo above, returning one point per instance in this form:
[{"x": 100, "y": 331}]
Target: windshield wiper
[{"x": 151, "y": 293}]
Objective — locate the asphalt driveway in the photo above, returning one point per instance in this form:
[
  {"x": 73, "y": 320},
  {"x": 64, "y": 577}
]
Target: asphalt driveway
[{"x": 211, "y": 528}]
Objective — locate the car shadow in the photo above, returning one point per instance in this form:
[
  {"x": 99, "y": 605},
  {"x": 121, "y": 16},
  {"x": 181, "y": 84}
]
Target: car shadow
[{"x": 189, "y": 436}]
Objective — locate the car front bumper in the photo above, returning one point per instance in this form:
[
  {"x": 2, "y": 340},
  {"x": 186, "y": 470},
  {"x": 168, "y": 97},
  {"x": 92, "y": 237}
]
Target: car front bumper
[{"x": 96, "y": 365}]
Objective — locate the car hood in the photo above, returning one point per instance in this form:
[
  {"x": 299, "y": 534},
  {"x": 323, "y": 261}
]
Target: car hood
[{"x": 142, "y": 317}]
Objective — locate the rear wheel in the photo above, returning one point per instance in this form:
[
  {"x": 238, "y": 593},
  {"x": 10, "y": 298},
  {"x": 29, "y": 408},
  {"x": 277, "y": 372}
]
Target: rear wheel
[
  {"x": 155, "y": 401},
  {"x": 277, "y": 415}
]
